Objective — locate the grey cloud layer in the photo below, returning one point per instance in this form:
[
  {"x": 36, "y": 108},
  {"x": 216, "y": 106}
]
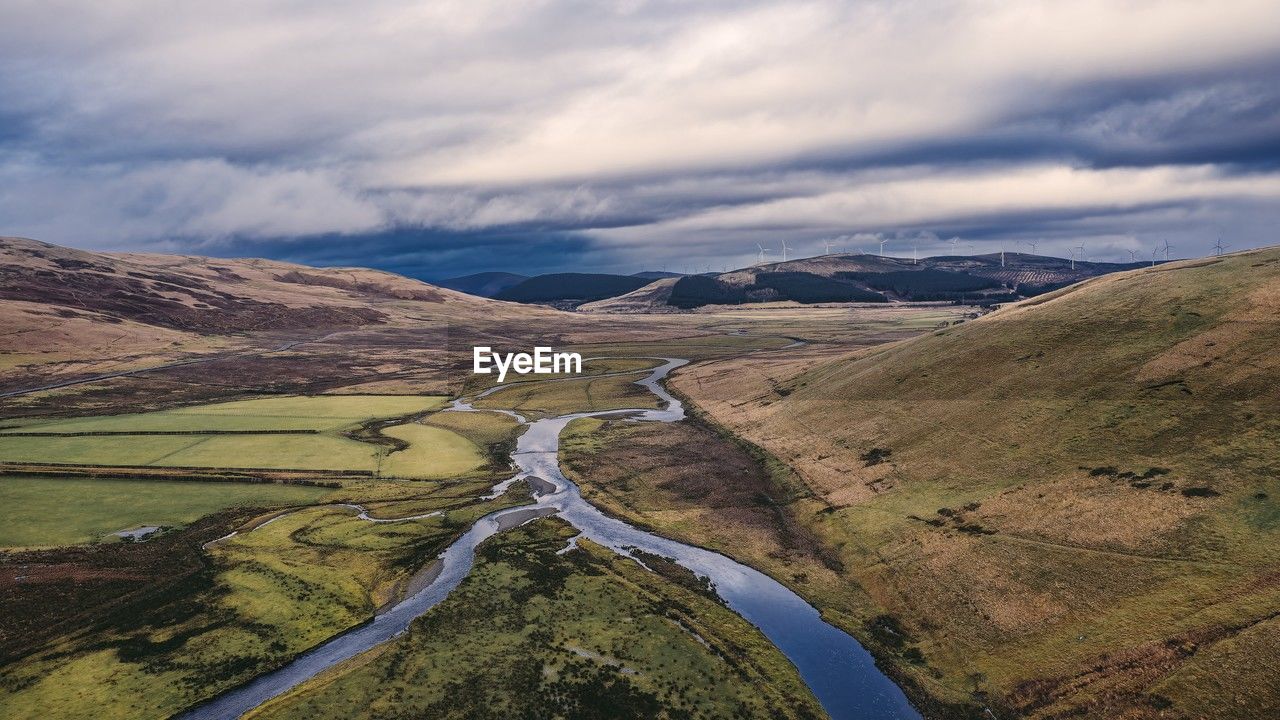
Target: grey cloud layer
[{"x": 638, "y": 131}]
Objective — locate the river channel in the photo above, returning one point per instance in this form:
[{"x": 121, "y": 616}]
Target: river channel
[{"x": 840, "y": 672}]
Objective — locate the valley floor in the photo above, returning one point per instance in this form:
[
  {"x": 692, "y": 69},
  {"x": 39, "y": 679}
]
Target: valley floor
[{"x": 1132, "y": 584}]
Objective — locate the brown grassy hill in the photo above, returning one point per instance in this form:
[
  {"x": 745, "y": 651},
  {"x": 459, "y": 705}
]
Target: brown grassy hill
[
  {"x": 1018, "y": 271},
  {"x": 1070, "y": 506},
  {"x": 1017, "y": 267},
  {"x": 250, "y": 324},
  {"x": 650, "y": 298},
  {"x": 115, "y": 332},
  {"x": 208, "y": 295}
]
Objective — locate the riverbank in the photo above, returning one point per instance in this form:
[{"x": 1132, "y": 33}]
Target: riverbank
[{"x": 836, "y": 669}]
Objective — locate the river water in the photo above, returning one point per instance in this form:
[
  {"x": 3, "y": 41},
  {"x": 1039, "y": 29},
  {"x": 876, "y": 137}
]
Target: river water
[{"x": 840, "y": 672}]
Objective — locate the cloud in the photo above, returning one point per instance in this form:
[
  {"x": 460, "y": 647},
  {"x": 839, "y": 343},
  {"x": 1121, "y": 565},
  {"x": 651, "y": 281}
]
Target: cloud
[
  {"x": 634, "y": 132},
  {"x": 191, "y": 202}
]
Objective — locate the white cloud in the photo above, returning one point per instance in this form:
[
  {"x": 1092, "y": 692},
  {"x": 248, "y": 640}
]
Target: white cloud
[
  {"x": 940, "y": 198},
  {"x": 134, "y": 122},
  {"x": 194, "y": 200}
]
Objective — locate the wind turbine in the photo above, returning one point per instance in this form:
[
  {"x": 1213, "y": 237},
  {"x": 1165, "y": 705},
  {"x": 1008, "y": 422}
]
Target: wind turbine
[
  {"x": 1032, "y": 244},
  {"x": 784, "y": 250},
  {"x": 882, "y": 242},
  {"x": 1002, "y": 254},
  {"x": 1133, "y": 256},
  {"x": 828, "y": 243},
  {"x": 955, "y": 242},
  {"x": 1167, "y": 248},
  {"x": 1154, "y": 251},
  {"x": 1219, "y": 247},
  {"x": 761, "y": 254},
  {"x": 915, "y": 253},
  {"x": 1080, "y": 249}
]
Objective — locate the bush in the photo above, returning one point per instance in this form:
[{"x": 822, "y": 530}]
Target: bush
[
  {"x": 1199, "y": 492},
  {"x": 875, "y": 456}
]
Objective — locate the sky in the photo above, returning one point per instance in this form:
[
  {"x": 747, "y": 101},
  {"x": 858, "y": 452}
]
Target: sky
[{"x": 443, "y": 138}]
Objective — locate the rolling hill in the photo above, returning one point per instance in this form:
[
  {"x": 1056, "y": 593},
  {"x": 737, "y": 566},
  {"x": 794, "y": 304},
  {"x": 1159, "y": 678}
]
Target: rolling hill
[
  {"x": 156, "y": 329},
  {"x": 652, "y": 298},
  {"x": 485, "y": 284},
  {"x": 976, "y": 279},
  {"x": 571, "y": 289},
  {"x": 1066, "y": 507},
  {"x": 656, "y": 274}
]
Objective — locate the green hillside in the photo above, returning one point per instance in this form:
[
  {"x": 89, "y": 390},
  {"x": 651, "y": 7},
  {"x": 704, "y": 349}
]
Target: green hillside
[{"x": 1070, "y": 504}]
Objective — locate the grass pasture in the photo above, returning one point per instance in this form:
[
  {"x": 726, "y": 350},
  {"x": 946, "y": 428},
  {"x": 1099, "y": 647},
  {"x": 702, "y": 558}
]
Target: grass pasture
[
  {"x": 278, "y": 433},
  {"x": 567, "y": 396},
  {"x": 276, "y": 451},
  {"x": 582, "y": 634},
  {"x": 591, "y": 367},
  {"x": 269, "y": 594},
  {"x": 43, "y": 511},
  {"x": 314, "y": 412},
  {"x": 482, "y": 428},
  {"x": 433, "y": 453}
]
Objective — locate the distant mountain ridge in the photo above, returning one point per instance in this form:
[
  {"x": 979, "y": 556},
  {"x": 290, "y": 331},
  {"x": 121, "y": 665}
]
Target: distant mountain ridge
[
  {"x": 978, "y": 279},
  {"x": 484, "y": 284},
  {"x": 571, "y": 289},
  {"x": 838, "y": 278},
  {"x": 656, "y": 274}
]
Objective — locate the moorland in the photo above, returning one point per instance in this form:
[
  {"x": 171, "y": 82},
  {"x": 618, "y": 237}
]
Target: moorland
[{"x": 1061, "y": 507}]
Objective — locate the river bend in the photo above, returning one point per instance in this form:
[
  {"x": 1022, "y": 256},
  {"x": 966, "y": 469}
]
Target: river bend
[{"x": 840, "y": 672}]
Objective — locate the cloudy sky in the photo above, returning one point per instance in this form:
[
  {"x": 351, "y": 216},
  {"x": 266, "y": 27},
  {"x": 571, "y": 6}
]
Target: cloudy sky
[{"x": 440, "y": 138}]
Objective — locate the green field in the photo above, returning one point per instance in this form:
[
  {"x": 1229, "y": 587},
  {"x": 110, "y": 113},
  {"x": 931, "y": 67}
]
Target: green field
[
  {"x": 568, "y": 396},
  {"x": 306, "y": 436},
  {"x": 482, "y": 428},
  {"x": 272, "y": 592},
  {"x": 315, "y": 412},
  {"x": 587, "y": 634},
  {"x": 280, "y": 452},
  {"x": 41, "y": 511},
  {"x": 433, "y": 453},
  {"x": 590, "y": 367}
]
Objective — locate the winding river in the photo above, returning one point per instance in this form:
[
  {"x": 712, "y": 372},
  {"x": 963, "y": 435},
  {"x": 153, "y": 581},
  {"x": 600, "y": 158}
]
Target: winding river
[{"x": 840, "y": 672}]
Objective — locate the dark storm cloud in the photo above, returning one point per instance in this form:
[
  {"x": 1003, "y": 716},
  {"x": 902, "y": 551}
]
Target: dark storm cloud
[
  {"x": 433, "y": 254},
  {"x": 447, "y": 137}
]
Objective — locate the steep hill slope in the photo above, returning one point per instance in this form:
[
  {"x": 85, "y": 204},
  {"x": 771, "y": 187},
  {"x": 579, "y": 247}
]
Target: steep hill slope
[{"x": 1069, "y": 506}]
